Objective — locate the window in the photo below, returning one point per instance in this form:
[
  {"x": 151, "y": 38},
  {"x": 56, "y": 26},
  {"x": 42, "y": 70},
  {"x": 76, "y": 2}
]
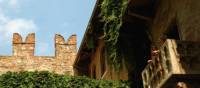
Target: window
[{"x": 173, "y": 32}]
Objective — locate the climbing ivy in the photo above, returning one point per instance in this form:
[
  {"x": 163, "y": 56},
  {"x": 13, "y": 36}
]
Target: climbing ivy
[
  {"x": 51, "y": 80},
  {"x": 111, "y": 13}
]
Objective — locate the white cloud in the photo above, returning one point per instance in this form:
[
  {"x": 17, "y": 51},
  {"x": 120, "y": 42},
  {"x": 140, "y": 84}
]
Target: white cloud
[
  {"x": 10, "y": 25},
  {"x": 21, "y": 26}
]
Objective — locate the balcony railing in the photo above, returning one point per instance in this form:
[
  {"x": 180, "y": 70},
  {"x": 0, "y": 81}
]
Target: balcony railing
[{"x": 176, "y": 64}]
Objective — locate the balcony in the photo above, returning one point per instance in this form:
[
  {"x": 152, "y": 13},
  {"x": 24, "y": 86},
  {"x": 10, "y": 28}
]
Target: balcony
[{"x": 176, "y": 65}]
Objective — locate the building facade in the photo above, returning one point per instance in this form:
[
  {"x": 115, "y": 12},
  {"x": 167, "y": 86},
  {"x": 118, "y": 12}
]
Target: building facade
[{"x": 146, "y": 26}]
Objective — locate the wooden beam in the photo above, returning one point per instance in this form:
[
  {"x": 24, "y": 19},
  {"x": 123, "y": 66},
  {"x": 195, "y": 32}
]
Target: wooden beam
[{"x": 139, "y": 16}]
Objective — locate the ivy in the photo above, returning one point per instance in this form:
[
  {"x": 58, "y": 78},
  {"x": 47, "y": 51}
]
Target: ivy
[
  {"x": 111, "y": 13},
  {"x": 51, "y": 80}
]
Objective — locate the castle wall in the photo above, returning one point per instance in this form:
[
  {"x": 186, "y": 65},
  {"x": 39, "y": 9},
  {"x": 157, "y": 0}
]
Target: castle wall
[{"x": 23, "y": 58}]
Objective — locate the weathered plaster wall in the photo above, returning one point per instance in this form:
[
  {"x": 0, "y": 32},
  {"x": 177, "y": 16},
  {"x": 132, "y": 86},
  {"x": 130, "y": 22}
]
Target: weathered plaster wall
[
  {"x": 23, "y": 58},
  {"x": 109, "y": 73},
  {"x": 185, "y": 13}
]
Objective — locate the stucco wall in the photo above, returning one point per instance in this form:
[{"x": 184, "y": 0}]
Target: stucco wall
[
  {"x": 109, "y": 73},
  {"x": 185, "y": 13}
]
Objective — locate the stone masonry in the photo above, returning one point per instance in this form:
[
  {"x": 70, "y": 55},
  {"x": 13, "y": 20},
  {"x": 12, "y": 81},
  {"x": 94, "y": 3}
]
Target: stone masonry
[{"x": 23, "y": 58}]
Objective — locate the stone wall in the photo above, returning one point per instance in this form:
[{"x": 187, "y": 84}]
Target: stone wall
[
  {"x": 23, "y": 58},
  {"x": 183, "y": 13}
]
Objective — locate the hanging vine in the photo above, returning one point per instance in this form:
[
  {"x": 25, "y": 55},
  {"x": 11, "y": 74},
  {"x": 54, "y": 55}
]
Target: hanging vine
[{"x": 111, "y": 13}]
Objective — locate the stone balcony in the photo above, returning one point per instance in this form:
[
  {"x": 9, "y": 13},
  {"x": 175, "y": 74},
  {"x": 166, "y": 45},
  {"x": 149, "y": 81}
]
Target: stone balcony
[{"x": 176, "y": 65}]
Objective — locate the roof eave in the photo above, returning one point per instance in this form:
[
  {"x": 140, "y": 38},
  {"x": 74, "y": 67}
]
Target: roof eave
[{"x": 95, "y": 10}]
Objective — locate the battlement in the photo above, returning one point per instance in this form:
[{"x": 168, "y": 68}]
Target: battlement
[
  {"x": 30, "y": 39},
  {"x": 60, "y": 40},
  {"x": 21, "y": 48},
  {"x": 23, "y": 58},
  {"x": 60, "y": 46}
]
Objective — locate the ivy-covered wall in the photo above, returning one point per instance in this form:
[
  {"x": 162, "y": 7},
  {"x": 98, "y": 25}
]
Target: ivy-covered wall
[{"x": 111, "y": 12}]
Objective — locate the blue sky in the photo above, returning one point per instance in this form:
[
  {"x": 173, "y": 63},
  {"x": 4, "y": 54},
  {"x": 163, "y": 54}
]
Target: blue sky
[{"x": 44, "y": 17}]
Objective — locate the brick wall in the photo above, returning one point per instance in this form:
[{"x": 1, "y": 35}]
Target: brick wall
[{"x": 23, "y": 58}]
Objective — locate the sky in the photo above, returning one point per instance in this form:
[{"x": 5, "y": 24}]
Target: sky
[{"x": 45, "y": 18}]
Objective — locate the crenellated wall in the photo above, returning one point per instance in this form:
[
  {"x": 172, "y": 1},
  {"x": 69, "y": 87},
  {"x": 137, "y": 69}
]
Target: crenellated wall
[{"x": 23, "y": 58}]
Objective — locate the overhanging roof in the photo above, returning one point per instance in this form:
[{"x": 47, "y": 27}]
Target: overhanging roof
[
  {"x": 82, "y": 46},
  {"x": 134, "y": 10}
]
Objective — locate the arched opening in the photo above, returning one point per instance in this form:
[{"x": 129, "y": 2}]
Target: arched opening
[{"x": 173, "y": 31}]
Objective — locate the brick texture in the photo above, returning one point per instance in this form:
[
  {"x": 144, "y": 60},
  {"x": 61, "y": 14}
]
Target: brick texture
[{"x": 23, "y": 58}]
